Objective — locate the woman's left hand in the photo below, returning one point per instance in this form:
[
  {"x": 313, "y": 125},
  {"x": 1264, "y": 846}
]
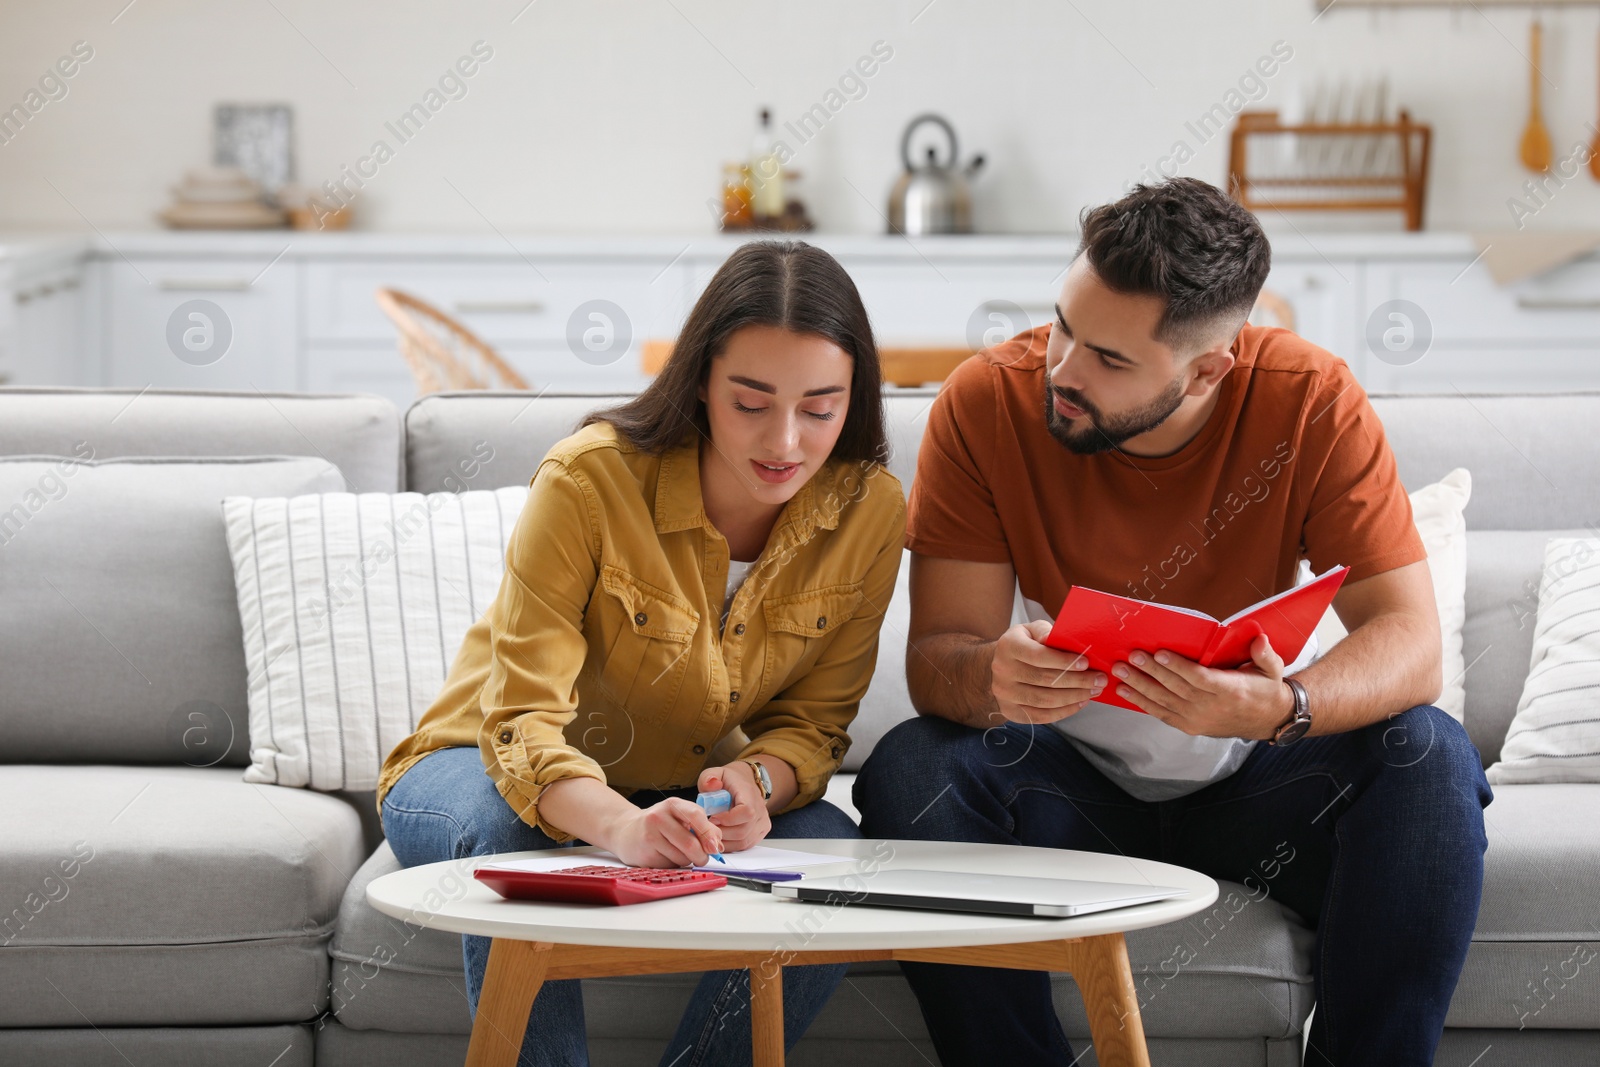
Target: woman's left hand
[{"x": 747, "y": 823}]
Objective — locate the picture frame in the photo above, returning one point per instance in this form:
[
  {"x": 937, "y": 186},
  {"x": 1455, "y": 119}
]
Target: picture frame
[{"x": 258, "y": 139}]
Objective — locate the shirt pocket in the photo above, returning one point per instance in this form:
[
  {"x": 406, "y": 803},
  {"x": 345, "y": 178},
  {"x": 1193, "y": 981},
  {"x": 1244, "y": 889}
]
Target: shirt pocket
[
  {"x": 796, "y": 625},
  {"x": 648, "y": 658}
]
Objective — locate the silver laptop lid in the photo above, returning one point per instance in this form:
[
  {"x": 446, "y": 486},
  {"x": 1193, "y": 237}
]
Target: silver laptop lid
[{"x": 997, "y": 894}]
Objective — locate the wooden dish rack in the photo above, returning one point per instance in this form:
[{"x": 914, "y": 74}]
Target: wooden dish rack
[{"x": 1330, "y": 167}]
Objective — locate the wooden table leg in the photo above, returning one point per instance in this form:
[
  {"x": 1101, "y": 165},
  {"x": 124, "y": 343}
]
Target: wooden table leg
[
  {"x": 511, "y": 981},
  {"x": 766, "y": 1016},
  {"x": 1100, "y": 967}
]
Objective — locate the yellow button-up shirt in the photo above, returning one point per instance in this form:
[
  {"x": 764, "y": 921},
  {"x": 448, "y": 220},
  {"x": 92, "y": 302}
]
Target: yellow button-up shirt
[{"x": 602, "y": 654}]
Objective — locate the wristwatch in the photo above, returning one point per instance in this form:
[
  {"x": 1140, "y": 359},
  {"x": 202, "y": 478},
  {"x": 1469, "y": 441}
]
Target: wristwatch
[
  {"x": 763, "y": 777},
  {"x": 1299, "y": 723}
]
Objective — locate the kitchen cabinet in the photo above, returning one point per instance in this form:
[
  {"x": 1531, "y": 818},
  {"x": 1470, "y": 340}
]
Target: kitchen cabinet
[
  {"x": 571, "y": 313},
  {"x": 42, "y": 315},
  {"x": 1481, "y": 337},
  {"x": 1324, "y": 295},
  {"x": 506, "y": 303},
  {"x": 201, "y": 323}
]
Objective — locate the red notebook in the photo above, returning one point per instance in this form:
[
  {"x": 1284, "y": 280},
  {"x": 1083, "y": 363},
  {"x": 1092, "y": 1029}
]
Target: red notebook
[{"x": 1107, "y": 628}]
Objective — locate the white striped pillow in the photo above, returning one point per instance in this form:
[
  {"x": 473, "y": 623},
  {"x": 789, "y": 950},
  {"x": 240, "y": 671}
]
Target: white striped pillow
[
  {"x": 353, "y": 607},
  {"x": 1556, "y": 734}
]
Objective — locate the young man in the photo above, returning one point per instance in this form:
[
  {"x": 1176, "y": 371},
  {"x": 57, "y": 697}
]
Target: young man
[{"x": 1151, "y": 443}]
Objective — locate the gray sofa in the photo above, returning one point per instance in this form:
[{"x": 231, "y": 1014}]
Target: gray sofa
[{"x": 158, "y": 910}]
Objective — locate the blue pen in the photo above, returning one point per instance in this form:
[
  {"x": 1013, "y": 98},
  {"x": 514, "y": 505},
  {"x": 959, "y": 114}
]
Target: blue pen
[{"x": 715, "y": 803}]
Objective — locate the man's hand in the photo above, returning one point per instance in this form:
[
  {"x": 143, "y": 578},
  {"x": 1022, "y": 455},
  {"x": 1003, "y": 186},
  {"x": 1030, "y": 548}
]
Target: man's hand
[
  {"x": 1034, "y": 683},
  {"x": 747, "y": 823},
  {"x": 1249, "y": 702}
]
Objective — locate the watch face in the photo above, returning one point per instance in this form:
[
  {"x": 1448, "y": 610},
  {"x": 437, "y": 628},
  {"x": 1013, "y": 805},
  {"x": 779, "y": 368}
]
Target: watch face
[{"x": 1292, "y": 732}]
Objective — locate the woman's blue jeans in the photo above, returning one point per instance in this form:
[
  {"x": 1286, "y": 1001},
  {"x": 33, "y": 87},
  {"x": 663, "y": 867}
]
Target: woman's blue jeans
[{"x": 446, "y": 807}]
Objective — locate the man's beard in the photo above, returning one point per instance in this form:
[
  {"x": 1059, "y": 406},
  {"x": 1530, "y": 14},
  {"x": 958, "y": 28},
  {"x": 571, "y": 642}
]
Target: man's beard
[{"x": 1102, "y": 433}]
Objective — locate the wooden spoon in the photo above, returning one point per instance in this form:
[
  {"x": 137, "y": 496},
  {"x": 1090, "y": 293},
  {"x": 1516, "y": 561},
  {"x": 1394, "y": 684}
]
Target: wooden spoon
[
  {"x": 1594, "y": 151},
  {"x": 1535, "y": 138}
]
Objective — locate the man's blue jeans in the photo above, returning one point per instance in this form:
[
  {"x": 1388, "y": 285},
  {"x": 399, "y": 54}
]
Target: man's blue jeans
[
  {"x": 1375, "y": 837},
  {"x": 445, "y": 807}
]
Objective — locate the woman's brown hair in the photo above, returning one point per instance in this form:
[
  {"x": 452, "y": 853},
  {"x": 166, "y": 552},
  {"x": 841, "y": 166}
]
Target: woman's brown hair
[{"x": 787, "y": 284}]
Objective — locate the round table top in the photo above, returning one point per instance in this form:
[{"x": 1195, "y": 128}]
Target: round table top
[{"x": 445, "y": 896}]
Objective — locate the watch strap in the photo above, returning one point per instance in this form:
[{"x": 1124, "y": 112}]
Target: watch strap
[
  {"x": 763, "y": 777},
  {"x": 1300, "y": 721}
]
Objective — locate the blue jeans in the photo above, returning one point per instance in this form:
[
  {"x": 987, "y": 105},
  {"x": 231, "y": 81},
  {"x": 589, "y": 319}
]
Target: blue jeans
[
  {"x": 445, "y": 807},
  {"x": 1375, "y": 837}
]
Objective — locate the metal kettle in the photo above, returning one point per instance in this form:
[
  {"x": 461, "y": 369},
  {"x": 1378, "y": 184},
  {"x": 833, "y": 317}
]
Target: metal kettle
[{"x": 933, "y": 197}]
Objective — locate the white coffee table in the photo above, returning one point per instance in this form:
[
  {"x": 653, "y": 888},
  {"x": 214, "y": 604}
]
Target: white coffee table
[{"x": 733, "y": 927}]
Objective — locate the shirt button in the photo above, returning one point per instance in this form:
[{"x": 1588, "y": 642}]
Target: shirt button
[
  {"x": 822, "y": 622},
  {"x": 835, "y": 751},
  {"x": 505, "y": 736},
  {"x": 640, "y": 619},
  {"x": 739, "y": 629},
  {"x": 733, "y": 697},
  {"x": 699, "y": 750}
]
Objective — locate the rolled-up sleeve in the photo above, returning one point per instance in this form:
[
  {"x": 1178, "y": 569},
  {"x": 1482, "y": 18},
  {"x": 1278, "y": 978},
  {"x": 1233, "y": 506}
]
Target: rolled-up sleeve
[
  {"x": 806, "y": 725},
  {"x": 537, "y": 646}
]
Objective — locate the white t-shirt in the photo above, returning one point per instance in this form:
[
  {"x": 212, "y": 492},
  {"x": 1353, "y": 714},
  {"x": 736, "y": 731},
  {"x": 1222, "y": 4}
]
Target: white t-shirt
[
  {"x": 1147, "y": 758},
  {"x": 737, "y": 571}
]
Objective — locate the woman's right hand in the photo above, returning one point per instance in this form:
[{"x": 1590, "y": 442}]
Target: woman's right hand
[{"x": 673, "y": 833}]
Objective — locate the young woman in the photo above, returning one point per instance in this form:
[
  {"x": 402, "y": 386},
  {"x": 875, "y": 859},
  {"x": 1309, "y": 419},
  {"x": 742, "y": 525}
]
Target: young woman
[{"x": 691, "y": 602}]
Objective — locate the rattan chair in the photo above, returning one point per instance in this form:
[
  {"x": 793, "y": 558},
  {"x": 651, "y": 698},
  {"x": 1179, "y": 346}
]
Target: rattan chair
[
  {"x": 1272, "y": 310},
  {"x": 441, "y": 352}
]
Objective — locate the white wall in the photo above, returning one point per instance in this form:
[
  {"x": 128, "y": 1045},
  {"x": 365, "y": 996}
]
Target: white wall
[{"x": 615, "y": 116}]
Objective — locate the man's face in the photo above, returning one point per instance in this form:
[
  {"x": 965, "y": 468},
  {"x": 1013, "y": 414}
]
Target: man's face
[{"x": 1107, "y": 379}]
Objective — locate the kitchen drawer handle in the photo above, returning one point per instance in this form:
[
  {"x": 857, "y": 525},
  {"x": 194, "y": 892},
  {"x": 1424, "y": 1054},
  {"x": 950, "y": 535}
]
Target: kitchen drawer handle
[
  {"x": 40, "y": 292},
  {"x": 204, "y": 285},
  {"x": 499, "y": 307},
  {"x": 1553, "y": 303}
]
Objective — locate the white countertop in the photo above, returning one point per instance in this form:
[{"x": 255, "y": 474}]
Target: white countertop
[{"x": 664, "y": 247}]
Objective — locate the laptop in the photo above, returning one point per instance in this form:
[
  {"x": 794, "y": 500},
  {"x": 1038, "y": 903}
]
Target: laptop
[{"x": 989, "y": 894}]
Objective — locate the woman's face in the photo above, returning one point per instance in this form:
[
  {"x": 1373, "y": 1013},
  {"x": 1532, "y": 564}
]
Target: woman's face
[{"x": 776, "y": 401}]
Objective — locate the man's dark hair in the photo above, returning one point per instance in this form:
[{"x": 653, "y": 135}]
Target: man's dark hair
[{"x": 1186, "y": 241}]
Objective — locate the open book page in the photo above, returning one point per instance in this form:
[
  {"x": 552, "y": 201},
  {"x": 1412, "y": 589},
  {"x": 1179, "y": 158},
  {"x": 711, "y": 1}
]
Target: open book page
[{"x": 1258, "y": 605}]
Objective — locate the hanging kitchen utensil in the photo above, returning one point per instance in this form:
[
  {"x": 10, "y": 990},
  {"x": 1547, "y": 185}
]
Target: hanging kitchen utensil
[
  {"x": 1535, "y": 138},
  {"x": 933, "y": 197},
  {"x": 1594, "y": 151}
]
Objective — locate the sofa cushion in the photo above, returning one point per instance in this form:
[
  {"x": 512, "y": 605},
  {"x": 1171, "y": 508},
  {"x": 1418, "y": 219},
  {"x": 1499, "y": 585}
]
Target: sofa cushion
[
  {"x": 1526, "y": 474},
  {"x": 159, "y": 896},
  {"x": 1555, "y": 736},
  {"x": 355, "y": 605},
  {"x": 358, "y": 434},
  {"x": 1536, "y": 947},
  {"x": 888, "y": 699},
  {"x": 1503, "y": 568},
  {"x": 169, "y": 1046},
  {"x": 1543, "y": 865},
  {"x": 120, "y": 600}
]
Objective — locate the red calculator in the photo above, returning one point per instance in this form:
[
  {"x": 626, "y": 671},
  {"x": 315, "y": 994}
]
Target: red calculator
[{"x": 598, "y": 884}]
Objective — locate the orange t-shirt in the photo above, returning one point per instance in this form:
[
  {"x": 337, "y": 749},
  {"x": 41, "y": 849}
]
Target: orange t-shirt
[{"x": 1292, "y": 463}]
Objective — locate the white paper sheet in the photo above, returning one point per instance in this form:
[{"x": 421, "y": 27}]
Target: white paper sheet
[
  {"x": 760, "y": 858},
  {"x": 764, "y": 858}
]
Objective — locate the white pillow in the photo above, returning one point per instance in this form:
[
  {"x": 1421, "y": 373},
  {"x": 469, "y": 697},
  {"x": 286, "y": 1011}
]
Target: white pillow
[
  {"x": 353, "y": 607},
  {"x": 1437, "y": 511},
  {"x": 1555, "y": 736}
]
